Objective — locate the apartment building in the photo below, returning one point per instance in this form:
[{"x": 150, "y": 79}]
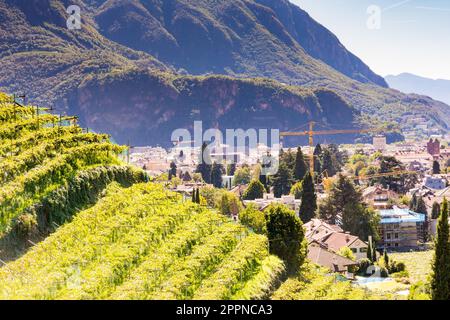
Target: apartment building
[{"x": 401, "y": 228}]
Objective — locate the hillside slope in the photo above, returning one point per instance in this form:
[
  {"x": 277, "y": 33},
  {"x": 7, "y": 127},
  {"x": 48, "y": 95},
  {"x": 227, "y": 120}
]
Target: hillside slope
[
  {"x": 102, "y": 233},
  {"x": 50, "y": 169},
  {"x": 272, "y": 38},
  {"x": 143, "y": 243}
]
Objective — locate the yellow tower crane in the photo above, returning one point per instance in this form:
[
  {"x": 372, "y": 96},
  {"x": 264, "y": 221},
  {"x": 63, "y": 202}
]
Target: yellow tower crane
[{"x": 311, "y": 133}]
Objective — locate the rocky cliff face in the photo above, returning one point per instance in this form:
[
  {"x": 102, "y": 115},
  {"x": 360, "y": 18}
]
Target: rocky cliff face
[{"x": 111, "y": 104}]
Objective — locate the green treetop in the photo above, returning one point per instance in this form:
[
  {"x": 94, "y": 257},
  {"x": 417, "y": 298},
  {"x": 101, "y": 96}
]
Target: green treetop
[{"x": 440, "y": 278}]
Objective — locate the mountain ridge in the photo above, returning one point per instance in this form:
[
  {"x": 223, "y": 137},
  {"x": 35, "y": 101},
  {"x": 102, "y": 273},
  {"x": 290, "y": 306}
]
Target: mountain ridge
[
  {"x": 59, "y": 67},
  {"x": 438, "y": 89}
]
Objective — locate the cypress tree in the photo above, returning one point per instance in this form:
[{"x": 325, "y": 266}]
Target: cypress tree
[
  {"x": 413, "y": 203},
  {"x": 440, "y": 279},
  {"x": 327, "y": 163},
  {"x": 193, "y": 196},
  {"x": 386, "y": 259},
  {"x": 436, "y": 167},
  {"x": 308, "y": 206},
  {"x": 436, "y": 211},
  {"x": 300, "y": 165},
  {"x": 231, "y": 169},
  {"x": 263, "y": 179},
  {"x": 374, "y": 253},
  {"x": 173, "y": 170},
  {"x": 317, "y": 158},
  {"x": 205, "y": 167},
  {"x": 421, "y": 207},
  {"x": 216, "y": 175},
  {"x": 369, "y": 250},
  {"x": 197, "y": 196}
]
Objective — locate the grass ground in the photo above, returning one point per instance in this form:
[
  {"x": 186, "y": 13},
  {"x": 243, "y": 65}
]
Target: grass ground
[{"x": 417, "y": 263}]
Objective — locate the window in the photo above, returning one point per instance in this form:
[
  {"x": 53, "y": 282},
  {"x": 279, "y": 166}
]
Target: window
[
  {"x": 396, "y": 244},
  {"x": 396, "y": 236},
  {"x": 362, "y": 250},
  {"x": 388, "y": 236},
  {"x": 354, "y": 250}
]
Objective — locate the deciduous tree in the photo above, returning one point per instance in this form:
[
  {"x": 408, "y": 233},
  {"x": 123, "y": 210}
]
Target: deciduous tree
[
  {"x": 282, "y": 181},
  {"x": 216, "y": 175},
  {"x": 286, "y": 236},
  {"x": 254, "y": 191}
]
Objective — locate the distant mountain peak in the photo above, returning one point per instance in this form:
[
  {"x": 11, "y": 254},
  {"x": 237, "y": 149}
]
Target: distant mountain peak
[{"x": 438, "y": 89}]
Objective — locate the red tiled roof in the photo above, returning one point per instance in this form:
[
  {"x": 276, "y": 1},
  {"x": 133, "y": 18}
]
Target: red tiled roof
[
  {"x": 336, "y": 241},
  {"x": 323, "y": 257}
]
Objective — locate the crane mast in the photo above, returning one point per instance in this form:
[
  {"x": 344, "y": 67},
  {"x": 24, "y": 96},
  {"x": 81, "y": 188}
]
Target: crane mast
[{"x": 311, "y": 133}]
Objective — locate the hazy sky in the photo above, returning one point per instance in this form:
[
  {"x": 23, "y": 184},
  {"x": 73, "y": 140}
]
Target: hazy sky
[{"x": 409, "y": 35}]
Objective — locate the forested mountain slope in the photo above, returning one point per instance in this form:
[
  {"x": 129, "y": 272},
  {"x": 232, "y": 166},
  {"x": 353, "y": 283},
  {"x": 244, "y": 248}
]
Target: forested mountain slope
[{"x": 138, "y": 47}]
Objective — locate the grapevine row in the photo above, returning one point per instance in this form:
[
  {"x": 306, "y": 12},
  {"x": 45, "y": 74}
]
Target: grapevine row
[
  {"x": 237, "y": 268},
  {"x": 48, "y": 149},
  {"x": 14, "y": 147},
  {"x": 20, "y": 193},
  {"x": 176, "y": 235},
  {"x": 47, "y": 268},
  {"x": 13, "y": 130},
  {"x": 189, "y": 273}
]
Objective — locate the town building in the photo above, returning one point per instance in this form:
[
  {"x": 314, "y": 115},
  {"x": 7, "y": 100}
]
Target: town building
[
  {"x": 320, "y": 255},
  {"x": 186, "y": 189},
  {"x": 379, "y": 142},
  {"x": 239, "y": 190},
  {"x": 436, "y": 183},
  {"x": 333, "y": 238},
  {"x": 378, "y": 197},
  {"x": 432, "y": 197},
  {"x": 401, "y": 228},
  {"x": 434, "y": 147},
  {"x": 269, "y": 198},
  {"x": 417, "y": 166}
]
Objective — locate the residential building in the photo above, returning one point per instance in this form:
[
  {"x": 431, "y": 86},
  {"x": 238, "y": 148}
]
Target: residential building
[
  {"x": 401, "y": 228},
  {"x": 436, "y": 183},
  {"x": 417, "y": 166},
  {"x": 239, "y": 190},
  {"x": 338, "y": 240},
  {"x": 269, "y": 198},
  {"x": 378, "y": 197},
  {"x": 319, "y": 254},
  {"x": 438, "y": 197},
  {"x": 333, "y": 238},
  {"x": 317, "y": 229}
]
